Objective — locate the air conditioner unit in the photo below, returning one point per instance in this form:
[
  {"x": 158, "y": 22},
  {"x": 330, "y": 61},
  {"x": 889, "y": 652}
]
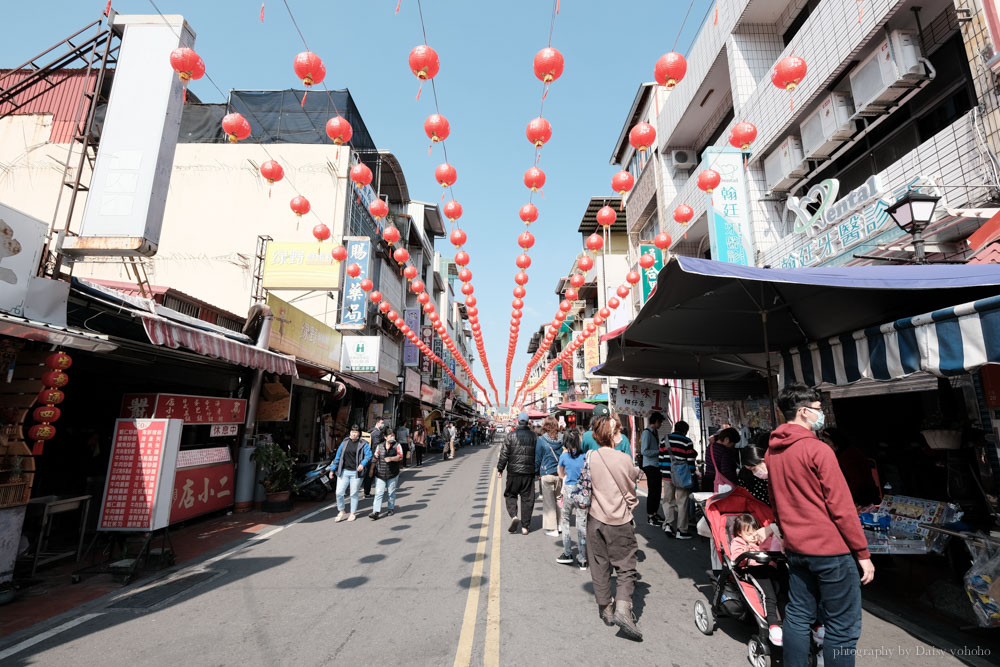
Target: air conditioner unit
[
  {"x": 785, "y": 165},
  {"x": 887, "y": 73},
  {"x": 684, "y": 159},
  {"x": 828, "y": 127}
]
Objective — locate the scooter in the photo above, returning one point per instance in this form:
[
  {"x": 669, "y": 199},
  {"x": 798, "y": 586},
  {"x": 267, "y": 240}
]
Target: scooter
[{"x": 315, "y": 483}]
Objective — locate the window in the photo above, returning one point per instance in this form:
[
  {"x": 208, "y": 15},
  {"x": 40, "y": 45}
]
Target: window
[{"x": 799, "y": 20}]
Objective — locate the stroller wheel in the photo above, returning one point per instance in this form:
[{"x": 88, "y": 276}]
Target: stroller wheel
[
  {"x": 704, "y": 619},
  {"x": 757, "y": 653}
]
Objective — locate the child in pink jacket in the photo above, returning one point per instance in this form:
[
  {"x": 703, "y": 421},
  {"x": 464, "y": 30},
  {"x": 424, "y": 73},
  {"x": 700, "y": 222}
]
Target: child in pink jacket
[{"x": 749, "y": 536}]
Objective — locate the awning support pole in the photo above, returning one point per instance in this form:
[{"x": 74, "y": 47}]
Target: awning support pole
[
  {"x": 767, "y": 354},
  {"x": 246, "y": 471}
]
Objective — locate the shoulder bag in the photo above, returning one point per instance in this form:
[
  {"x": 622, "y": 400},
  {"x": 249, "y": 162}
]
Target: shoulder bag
[
  {"x": 680, "y": 470},
  {"x": 583, "y": 490}
]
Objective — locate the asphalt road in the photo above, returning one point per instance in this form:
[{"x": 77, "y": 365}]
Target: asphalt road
[{"x": 440, "y": 583}]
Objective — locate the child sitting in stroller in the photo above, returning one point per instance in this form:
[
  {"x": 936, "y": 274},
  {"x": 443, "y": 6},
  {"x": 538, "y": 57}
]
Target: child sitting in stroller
[{"x": 748, "y": 536}]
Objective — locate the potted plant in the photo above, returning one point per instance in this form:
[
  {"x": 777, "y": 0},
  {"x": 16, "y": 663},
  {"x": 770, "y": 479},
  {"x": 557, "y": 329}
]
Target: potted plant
[{"x": 276, "y": 475}]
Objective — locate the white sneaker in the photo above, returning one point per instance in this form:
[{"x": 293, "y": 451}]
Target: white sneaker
[
  {"x": 819, "y": 634},
  {"x": 775, "y": 634},
  {"x": 351, "y": 517},
  {"x": 341, "y": 516},
  {"x": 553, "y": 533}
]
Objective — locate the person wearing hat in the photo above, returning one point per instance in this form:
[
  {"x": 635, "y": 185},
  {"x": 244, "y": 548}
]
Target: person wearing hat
[
  {"x": 517, "y": 457},
  {"x": 589, "y": 443}
]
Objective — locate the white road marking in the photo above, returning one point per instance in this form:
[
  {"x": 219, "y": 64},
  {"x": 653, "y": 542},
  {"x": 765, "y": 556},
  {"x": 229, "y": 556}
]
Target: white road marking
[{"x": 28, "y": 643}]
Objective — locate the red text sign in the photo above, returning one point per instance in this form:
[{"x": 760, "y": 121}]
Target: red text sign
[
  {"x": 133, "y": 475},
  {"x": 201, "y": 490},
  {"x": 192, "y": 409}
]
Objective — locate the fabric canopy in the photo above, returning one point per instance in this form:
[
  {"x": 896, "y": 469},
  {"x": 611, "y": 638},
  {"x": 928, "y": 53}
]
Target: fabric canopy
[
  {"x": 669, "y": 361},
  {"x": 536, "y": 414},
  {"x": 576, "y": 406},
  {"x": 945, "y": 342}
]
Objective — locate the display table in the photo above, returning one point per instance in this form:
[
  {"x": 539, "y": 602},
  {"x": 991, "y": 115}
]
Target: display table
[
  {"x": 899, "y": 525},
  {"x": 49, "y": 507}
]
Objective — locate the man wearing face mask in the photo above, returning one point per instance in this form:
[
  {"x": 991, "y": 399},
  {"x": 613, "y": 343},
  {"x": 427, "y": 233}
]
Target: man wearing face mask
[{"x": 823, "y": 537}]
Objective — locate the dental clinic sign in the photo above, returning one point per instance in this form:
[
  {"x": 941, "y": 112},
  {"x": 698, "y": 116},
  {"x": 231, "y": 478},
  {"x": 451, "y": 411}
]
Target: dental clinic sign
[{"x": 825, "y": 227}]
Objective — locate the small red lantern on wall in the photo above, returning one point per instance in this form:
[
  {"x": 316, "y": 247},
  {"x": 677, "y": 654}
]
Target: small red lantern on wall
[
  {"x": 51, "y": 396},
  {"x": 683, "y": 214},
  {"x": 56, "y": 379},
  {"x": 46, "y": 413},
  {"x": 789, "y": 72},
  {"x": 647, "y": 261},
  {"x": 391, "y": 234},
  {"x": 401, "y": 255},
  {"x": 353, "y": 270},
  {"x": 378, "y": 208},
  {"x": 595, "y": 242},
  {"x": 662, "y": 240},
  {"x": 410, "y": 272},
  {"x": 58, "y": 361},
  {"x": 642, "y": 137},
  {"x": 586, "y": 263},
  {"x": 366, "y": 285},
  {"x": 339, "y": 253},
  {"x": 272, "y": 173},
  {"x": 42, "y": 432},
  {"x": 742, "y": 135}
]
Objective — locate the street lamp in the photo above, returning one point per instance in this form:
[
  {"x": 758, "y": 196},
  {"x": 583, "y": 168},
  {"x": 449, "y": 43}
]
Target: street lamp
[{"x": 912, "y": 213}]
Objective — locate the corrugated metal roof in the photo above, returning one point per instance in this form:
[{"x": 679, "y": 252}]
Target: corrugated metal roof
[
  {"x": 65, "y": 87},
  {"x": 159, "y": 291}
]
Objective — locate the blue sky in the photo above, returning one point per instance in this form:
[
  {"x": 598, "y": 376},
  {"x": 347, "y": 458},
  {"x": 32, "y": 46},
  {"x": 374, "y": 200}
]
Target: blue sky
[{"x": 486, "y": 89}]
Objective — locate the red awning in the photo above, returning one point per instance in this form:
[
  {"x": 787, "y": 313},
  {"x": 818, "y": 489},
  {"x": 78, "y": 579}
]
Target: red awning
[
  {"x": 613, "y": 334},
  {"x": 576, "y": 405},
  {"x": 162, "y": 331},
  {"x": 536, "y": 414}
]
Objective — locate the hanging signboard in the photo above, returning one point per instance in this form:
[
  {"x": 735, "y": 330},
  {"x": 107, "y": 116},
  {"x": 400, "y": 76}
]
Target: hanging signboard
[
  {"x": 641, "y": 398},
  {"x": 136, "y": 496},
  {"x": 354, "y": 307},
  {"x": 649, "y": 275},
  {"x": 360, "y": 354},
  {"x": 438, "y": 348},
  {"x": 427, "y": 336},
  {"x": 303, "y": 336},
  {"x": 562, "y": 383},
  {"x": 728, "y": 208},
  {"x": 299, "y": 265},
  {"x": 449, "y": 361},
  {"x": 21, "y": 240},
  {"x": 591, "y": 354},
  {"x": 411, "y": 354},
  {"x": 190, "y": 409}
]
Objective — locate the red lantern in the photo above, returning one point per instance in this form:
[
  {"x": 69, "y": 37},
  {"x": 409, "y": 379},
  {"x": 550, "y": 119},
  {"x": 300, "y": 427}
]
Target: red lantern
[
  {"x": 670, "y": 69},
  {"x": 529, "y": 213},
  {"x": 410, "y": 272},
  {"x": 384, "y": 307},
  {"x": 613, "y": 303},
  {"x": 236, "y": 127},
  {"x": 539, "y": 131},
  {"x": 453, "y": 210},
  {"x": 417, "y": 286},
  {"x": 378, "y": 208},
  {"x": 565, "y": 306},
  {"x": 595, "y": 242},
  {"x": 560, "y": 316},
  {"x": 446, "y": 175},
  {"x": 51, "y": 396},
  {"x": 353, "y": 270},
  {"x": 548, "y": 64},
  {"x": 605, "y": 312},
  {"x": 366, "y": 284},
  {"x": 570, "y": 294},
  {"x": 742, "y": 135},
  {"x": 526, "y": 240},
  {"x": 185, "y": 62},
  {"x": 471, "y": 301},
  {"x": 789, "y": 72},
  {"x": 428, "y": 307},
  {"x": 517, "y": 303},
  {"x": 519, "y": 292},
  {"x": 310, "y": 68},
  {"x": 622, "y": 182},
  {"x": 458, "y": 237},
  {"x": 424, "y": 62},
  {"x": 522, "y": 261},
  {"x": 473, "y": 312},
  {"x": 461, "y": 258},
  {"x": 338, "y": 129},
  {"x": 468, "y": 289},
  {"x": 662, "y": 240},
  {"x": 46, "y": 413},
  {"x": 437, "y": 127},
  {"x": 339, "y": 253},
  {"x": 683, "y": 214},
  {"x": 272, "y": 172},
  {"x": 390, "y": 234},
  {"x": 321, "y": 232},
  {"x": 534, "y": 179},
  {"x": 399, "y": 322},
  {"x": 646, "y": 261},
  {"x": 423, "y": 297},
  {"x": 598, "y": 320},
  {"x": 577, "y": 280},
  {"x": 516, "y": 314},
  {"x": 632, "y": 277},
  {"x": 300, "y": 205},
  {"x": 391, "y": 315},
  {"x": 42, "y": 432},
  {"x": 708, "y": 180},
  {"x": 361, "y": 174},
  {"x": 55, "y": 379},
  {"x": 606, "y": 216},
  {"x": 375, "y": 296},
  {"x": 58, "y": 361},
  {"x": 465, "y": 275},
  {"x": 586, "y": 263},
  {"x": 623, "y": 291},
  {"x": 642, "y": 137},
  {"x": 521, "y": 278},
  {"x": 401, "y": 255}
]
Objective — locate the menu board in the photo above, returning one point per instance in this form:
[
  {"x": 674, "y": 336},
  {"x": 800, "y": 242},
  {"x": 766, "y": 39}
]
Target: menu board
[
  {"x": 135, "y": 497},
  {"x": 191, "y": 409},
  {"x": 641, "y": 398}
]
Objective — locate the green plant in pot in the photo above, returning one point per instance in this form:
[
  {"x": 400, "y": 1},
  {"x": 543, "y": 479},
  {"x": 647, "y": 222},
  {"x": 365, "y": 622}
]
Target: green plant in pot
[{"x": 276, "y": 470}]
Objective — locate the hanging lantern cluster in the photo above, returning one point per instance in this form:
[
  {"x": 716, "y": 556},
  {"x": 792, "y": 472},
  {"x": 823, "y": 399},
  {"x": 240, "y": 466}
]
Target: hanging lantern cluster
[{"x": 54, "y": 379}]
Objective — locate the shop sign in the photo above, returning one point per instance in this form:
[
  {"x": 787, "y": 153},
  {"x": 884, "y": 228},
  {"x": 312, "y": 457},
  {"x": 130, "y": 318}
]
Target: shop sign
[
  {"x": 430, "y": 395},
  {"x": 728, "y": 208},
  {"x": 649, "y": 275},
  {"x": 192, "y": 458},
  {"x": 136, "y": 498},
  {"x": 438, "y": 348},
  {"x": 21, "y": 240},
  {"x": 303, "y": 336},
  {"x": 411, "y": 385},
  {"x": 411, "y": 354},
  {"x": 640, "y": 398},
  {"x": 449, "y": 384},
  {"x": 201, "y": 490},
  {"x": 562, "y": 384},
  {"x": 224, "y": 430},
  {"x": 427, "y": 336},
  {"x": 829, "y": 227},
  {"x": 591, "y": 353},
  {"x": 360, "y": 354},
  {"x": 191, "y": 409},
  {"x": 354, "y": 309},
  {"x": 300, "y": 265}
]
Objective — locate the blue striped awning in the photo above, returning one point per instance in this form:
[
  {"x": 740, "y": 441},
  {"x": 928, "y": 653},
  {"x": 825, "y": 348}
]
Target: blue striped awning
[{"x": 950, "y": 341}]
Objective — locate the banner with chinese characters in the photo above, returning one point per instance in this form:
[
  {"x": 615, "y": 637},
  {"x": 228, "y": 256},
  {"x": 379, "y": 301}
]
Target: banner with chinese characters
[
  {"x": 449, "y": 361},
  {"x": 191, "y": 409},
  {"x": 641, "y": 398},
  {"x": 204, "y": 482},
  {"x": 302, "y": 335},
  {"x": 354, "y": 306},
  {"x": 591, "y": 354},
  {"x": 411, "y": 353},
  {"x": 438, "y": 349},
  {"x": 649, "y": 275},
  {"x": 139, "y": 486},
  {"x": 427, "y": 336},
  {"x": 562, "y": 383},
  {"x": 302, "y": 265},
  {"x": 728, "y": 208}
]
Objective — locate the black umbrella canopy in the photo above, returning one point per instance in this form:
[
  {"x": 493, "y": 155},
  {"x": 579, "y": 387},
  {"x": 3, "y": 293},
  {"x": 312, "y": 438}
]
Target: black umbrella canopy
[
  {"x": 655, "y": 361},
  {"x": 703, "y": 307}
]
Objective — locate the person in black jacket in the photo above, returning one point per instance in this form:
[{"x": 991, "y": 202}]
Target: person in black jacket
[
  {"x": 377, "y": 438},
  {"x": 517, "y": 456}
]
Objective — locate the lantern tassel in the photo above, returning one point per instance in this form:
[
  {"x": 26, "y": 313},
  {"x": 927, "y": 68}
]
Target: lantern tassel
[
  {"x": 791, "y": 103},
  {"x": 541, "y": 194},
  {"x": 557, "y": 6},
  {"x": 716, "y": 21},
  {"x": 861, "y": 10},
  {"x": 546, "y": 92},
  {"x": 184, "y": 94},
  {"x": 398, "y": 3},
  {"x": 304, "y": 99},
  {"x": 262, "y": 11},
  {"x": 107, "y": 12},
  {"x": 39, "y": 445},
  {"x": 420, "y": 89},
  {"x": 429, "y": 146}
]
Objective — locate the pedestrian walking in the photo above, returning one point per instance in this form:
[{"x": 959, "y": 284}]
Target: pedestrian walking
[
  {"x": 403, "y": 438},
  {"x": 678, "y": 481},
  {"x": 824, "y": 541},
  {"x": 649, "y": 446},
  {"x": 377, "y": 438},
  {"x": 517, "y": 457},
  {"x": 350, "y": 462},
  {"x": 419, "y": 444},
  {"x": 588, "y": 443},
  {"x": 387, "y": 458},
  {"x": 720, "y": 461},
  {"x": 547, "y": 451},
  {"x": 570, "y": 464},
  {"x": 610, "y": 529},
  {"x": 450, "y": 436}
]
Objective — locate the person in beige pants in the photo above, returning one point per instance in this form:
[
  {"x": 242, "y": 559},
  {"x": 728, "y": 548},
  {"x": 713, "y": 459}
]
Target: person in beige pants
[{"x": 547, "y": 451}]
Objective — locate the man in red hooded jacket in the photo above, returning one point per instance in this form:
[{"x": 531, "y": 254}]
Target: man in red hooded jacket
[{"x": 823, "y": 536}]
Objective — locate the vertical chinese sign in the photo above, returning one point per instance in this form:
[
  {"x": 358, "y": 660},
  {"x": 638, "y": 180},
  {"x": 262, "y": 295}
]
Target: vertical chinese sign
[
  {"x": 427, "y": 336},
  {"x": 591, "y": 354},
  {"x": 411, "y": 355},
  {"x": 354, "y": 309},
  {"x": 649, "y": 275},
  {"x": 438, "y": 348},
  {"x": 728, "y": 208}
]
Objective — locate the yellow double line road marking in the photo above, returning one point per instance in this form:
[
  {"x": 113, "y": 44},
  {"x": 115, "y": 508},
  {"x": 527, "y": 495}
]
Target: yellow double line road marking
[{"x": 491, "y": 654}]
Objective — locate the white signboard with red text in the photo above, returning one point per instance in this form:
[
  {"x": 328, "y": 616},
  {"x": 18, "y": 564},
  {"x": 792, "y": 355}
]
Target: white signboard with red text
[
  {"x": 143, "y": 453},
  {"x": 641, "y": 398}
]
